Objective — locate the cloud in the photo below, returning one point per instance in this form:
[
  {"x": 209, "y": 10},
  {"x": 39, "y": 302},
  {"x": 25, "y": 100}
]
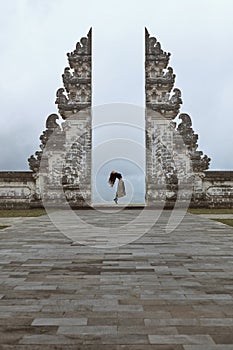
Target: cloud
[{"x": 36, "y": 35}]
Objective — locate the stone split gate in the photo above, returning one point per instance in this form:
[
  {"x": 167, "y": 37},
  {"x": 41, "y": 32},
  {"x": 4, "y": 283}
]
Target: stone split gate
[{"x": 61, "y": 169}]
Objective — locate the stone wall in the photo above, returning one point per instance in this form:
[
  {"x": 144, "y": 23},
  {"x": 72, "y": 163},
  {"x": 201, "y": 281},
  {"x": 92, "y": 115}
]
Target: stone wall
[
  {"x": 217, "y": 188},
  {"x": 17, "y": 189},
  {"x": 214, "y": 189}
]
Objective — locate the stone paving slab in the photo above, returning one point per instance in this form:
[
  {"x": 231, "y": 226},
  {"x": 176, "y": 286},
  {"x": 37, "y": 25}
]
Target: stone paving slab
[{"x": 162, "y": 291}]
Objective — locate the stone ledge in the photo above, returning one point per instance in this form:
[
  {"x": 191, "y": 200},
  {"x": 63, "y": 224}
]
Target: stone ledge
[
  {"x": 219, "y": 174},
  {"x": 16, "y": 176}
]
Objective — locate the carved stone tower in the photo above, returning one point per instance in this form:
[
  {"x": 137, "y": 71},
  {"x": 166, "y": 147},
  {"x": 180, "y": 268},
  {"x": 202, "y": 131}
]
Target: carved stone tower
[
  {"x": 163, "y": 104},
  {"x": 76, "y": 80},
  {"x": 62, "y": 168}
]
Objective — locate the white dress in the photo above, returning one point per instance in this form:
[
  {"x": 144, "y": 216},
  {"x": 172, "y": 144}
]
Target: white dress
[{"x": 120, "y": 189}]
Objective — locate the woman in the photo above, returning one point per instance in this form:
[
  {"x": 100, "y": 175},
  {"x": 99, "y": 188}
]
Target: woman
[{"x": 120, "y": 187}]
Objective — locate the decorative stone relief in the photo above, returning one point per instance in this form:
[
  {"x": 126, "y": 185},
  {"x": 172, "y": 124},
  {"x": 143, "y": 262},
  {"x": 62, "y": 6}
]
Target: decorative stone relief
[
  {"x": 199, "y": 162},
  {"x": 51, "y": 126},
  {"x": 222, "y": 191},
  {"x": 165, "y": 100},
  {"x": 15, "y": 192},
  {"x": 66, "y": 149},
  {"x": 159, "y": 77},
  {"x": 160, "y": 80},
  {"x": 77, "y": 80},
  {"x": 154, "y": 51}
]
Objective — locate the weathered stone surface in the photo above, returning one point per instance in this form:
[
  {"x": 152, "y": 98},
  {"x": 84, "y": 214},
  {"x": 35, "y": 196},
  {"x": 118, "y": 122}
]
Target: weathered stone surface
[
  {"x": 64, "y": 162},
  {"x": 17, "y": 189},
  {"x": 199, "y": 162},
  {"x": 172, "y": 158},
  {"x": 163, "y": 291},
  {"x": 77, "y": 79},
  {"x": 160, "y": 80}
]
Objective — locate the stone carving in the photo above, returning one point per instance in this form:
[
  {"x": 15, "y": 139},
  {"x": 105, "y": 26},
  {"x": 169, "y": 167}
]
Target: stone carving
[
  {"x": 152, "y": 71},
  {"x": 186, "y": 131},
  {"x": 154, "y": 51},
  {"x": 34, "y": 163},
  {"x": 160, "y": 80},
  {"x": 51, "y": 126},
  {"x": 82, "y": 48},
  {"x": 162, "y": 102},
  {"x": 76, "y": 80},
  {"x": 66, "y": 158},
  {"x": 83, "y": 93},
  {"x": 169, "y": 76},
  {"x": 51, "y": 122},
  {"x": 68, "y": 79},
  {"x": 199, "y": 162},
  {"x": 73, "y": 165},
  {"x": 15, "y": 192},
  {"x": 77, "y": 99},
  {"x": 165, "y": 101},
  {"x": 158, "y": 77},
  {"x": 63, "y": 102},
  {"x": 176, "y": 98},
  {"x": 220, "y": 191},
  {"x": 165, "y": 159},
  {"x": 81, "y": 76}
]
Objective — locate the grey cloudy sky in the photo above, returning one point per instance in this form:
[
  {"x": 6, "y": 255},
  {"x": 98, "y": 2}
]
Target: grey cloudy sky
[{"x": 35, "y": 36}]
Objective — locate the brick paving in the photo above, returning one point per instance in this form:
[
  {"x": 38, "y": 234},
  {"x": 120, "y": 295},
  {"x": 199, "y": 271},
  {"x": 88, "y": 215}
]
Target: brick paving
[{"x": 163, "y": 291}]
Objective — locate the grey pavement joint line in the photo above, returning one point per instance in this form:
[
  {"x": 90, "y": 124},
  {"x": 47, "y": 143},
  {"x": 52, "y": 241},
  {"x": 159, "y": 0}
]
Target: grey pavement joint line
[{"x": 162, "y": 291}]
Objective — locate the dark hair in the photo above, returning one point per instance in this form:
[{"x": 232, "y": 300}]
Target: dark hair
[{"x": 112, "y": 178}]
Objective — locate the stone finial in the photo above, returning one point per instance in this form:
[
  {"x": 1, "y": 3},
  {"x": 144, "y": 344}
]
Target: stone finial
[
  {"x": 51, "y": 127},
  {"x": 34, "y": 163},
  {"x": 76, "y": 80},
  {"x": 160, "y": 80},
  {"x": 154, "y": 51},
  {"x": 83, "y": 47},
  {"x": 51, "y": 122}
]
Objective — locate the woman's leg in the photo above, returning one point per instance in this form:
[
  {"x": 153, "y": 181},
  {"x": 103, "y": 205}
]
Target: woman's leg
[{"x": 116, "y": 199}]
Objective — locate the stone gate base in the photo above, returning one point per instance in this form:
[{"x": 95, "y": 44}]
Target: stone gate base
[
  {"x": 17, "y": 189},
  {"x": 213, "y": 190}
]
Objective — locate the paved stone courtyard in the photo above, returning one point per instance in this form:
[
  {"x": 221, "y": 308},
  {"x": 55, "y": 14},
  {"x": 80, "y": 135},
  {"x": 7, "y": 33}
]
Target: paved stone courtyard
[{"x": 162, "y": 291}]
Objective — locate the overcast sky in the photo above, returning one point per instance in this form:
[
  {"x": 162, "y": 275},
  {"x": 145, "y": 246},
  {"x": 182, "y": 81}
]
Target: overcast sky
[{"x": 35, "y": 36}]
